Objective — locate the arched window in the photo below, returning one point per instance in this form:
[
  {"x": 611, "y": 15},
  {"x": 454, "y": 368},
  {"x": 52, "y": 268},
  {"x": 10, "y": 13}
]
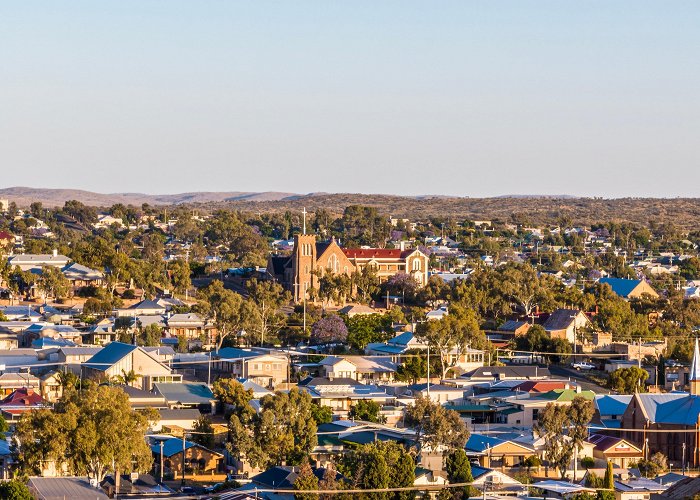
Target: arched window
[
  {"x": 333, "y": 263},
  {"x": 416, "y": 265}
]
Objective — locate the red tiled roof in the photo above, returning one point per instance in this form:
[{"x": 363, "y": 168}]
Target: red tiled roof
[
  {"x": 376, "y": 253},
  {"x": 4, "y": 235},
  {"x": 26, "y": 397}
]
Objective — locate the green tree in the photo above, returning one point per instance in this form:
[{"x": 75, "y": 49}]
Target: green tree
[
  {"x": 564, "y": 429},
  {"x": 367, "y": 410},
  {"x": 267, "y": 298},
  {"x": 452, "y": 336},
  {"x": 321, "y": 414},
  {"x": 458, "y": 468},
  {"x": 656, "y": 464},
  {"x": 180, "y": 272},
  {"x": 380, "y": 465},
  {"x": 628, "y": 380},
  {"x": 232, "y": 393},
  {"x": 609, "y": 478},
  {"x": 435, "y": 425},
  {"x": 151, "y": 335},
  {"x": 203, "y": 432},
  {"x": 53, "y": 283},
  {"x": 282, "y": 431},
  {"x": 14, "y": 490},
  {"x": 126, "y": 377},
  {"x": 412, "y": 369},
  {"x": 94, "y": 431},
  {"x": 366, "y": 328},
  {"x": 225, "y": 308},
  {"x": 306, "y": 480},
  {"x": 587, "y": 463}
]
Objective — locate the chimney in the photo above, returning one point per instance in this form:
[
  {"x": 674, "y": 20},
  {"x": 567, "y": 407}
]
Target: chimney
[
  {"x": 402, "y": 245},
  {"x": 55, "y": 252}
]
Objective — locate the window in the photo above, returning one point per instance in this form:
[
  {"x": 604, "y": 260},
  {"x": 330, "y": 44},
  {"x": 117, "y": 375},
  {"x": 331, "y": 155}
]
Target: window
[
  {"x": 333, "y": 263},
  {"x": 416, "y": 265}
]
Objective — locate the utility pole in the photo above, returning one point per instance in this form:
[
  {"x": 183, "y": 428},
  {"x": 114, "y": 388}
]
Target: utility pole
[{"x": 428, "y": 386}]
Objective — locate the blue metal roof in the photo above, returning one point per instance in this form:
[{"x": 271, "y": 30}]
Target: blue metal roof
[
  {"x": 235, "y": 353},
  {"x": 480, "y": 442},
  {"x": 402, "y": 339},
  {"x": 609, "y": 404},
  {"x": 171, "y": 447},
  {"x": 682, "y": 409},
  {"x": 46, "y": 342},
  {"x": 622, "y": 287},
  {"x": 109, "y": 354}
]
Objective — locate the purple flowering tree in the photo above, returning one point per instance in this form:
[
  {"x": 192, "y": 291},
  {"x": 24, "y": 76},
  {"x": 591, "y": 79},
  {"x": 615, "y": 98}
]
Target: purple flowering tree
[{"x": 329, "y": 330}]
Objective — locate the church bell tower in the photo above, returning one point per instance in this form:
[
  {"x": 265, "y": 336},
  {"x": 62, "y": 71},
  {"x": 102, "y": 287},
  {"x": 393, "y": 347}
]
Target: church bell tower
[{"x": 694, "y": 376}]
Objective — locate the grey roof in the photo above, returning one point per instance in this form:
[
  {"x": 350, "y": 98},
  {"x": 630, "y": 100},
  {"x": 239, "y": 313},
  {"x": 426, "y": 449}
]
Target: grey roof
[
  {"x": 147, "y": 304},
  {"x": 185, "y": 393},
  {"x": 511, "y": 325},
  {"x": 179, "y": 414},
  {"x": 501, "y": 372},
  {"x": 75, "y": 488},
  {"x": 560, "y": 319}
]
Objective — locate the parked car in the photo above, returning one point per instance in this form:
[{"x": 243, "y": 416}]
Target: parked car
[{"x": 583, "y": 365}]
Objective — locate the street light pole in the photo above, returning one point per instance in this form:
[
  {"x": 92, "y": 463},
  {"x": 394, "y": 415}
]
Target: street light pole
[{"x": 162, "y": 443}]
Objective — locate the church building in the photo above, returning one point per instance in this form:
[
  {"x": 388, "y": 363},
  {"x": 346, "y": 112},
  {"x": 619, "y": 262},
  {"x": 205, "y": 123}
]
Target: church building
[
  {"x": 298, "y": 272},
  {"x": 669, "y": 422}
]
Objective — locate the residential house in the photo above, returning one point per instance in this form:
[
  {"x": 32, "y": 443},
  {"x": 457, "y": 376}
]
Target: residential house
[
  {"x": 566, "y": 324},
  {"x": 628, "y": 288},
  {"x": 178, "y": 418},
  {"x": 514, "y": 327},
  {"x": 357, "y": 310},
  {"x": 497, "y": 373},
  {"x": 638, "y": 488},
  {"x": 135, "y": 486},
  {"x": 362, "y": 369},
  {"x": 615, "y": 449},
  {"x": 341, "y": 393},
  {"x": 28, "y": 262},
  {"x": 73, "y": 488},
  {"x": 72, "y": 358},
  {"x": 140, "y": 399},
  {"x": 462, "y": 360},
  {"x": 196, "y": 457},
  {"x": 263, "y": 367},
  {"x": 191, "y": 326},
  {"x": 118, "y": 359},
  {"x": 195, "y": 395},
  {"x": 20, "y": 401},
  {"x": 11, "y": 381},
  {"x": 146, "y": 307},
  {"x": 492, "y": 451}
]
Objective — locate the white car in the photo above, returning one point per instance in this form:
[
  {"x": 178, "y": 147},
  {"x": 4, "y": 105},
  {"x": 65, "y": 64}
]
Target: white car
[{"x": 583, "y": 365}]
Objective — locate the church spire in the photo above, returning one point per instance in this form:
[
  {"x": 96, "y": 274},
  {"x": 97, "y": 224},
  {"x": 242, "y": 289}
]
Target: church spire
[
  {"x": 694, "y": 375},
  {"x": 304, "y": 212}
]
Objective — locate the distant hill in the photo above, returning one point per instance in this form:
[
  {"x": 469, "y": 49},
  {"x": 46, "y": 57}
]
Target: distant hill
[
  {"x": 524, "y": 209},
  {"x": 23, "y": 196}
]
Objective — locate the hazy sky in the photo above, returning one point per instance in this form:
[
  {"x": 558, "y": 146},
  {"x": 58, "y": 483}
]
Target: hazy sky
[{"x": 469, "y": 98}]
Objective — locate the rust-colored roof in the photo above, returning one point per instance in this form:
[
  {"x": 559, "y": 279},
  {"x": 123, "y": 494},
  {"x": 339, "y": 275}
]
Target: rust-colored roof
[
  {"x": 540, "y": 386},
  {"x": 376, "y": 253},
  {"x": 23, "y": 396},
  {"x": 4, "y": 235}
]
